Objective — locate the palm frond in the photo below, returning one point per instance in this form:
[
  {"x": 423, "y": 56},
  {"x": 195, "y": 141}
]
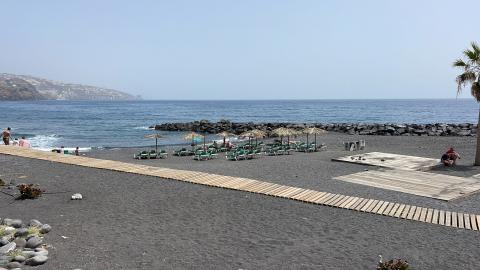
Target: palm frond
[
  {"x": 475, "y": 90},
  {"x": 475, "y": 47},
  {"x": 464, "y": 79},
  {"x": 471, "y": 55},
  {"x": 460, "y": 63}
]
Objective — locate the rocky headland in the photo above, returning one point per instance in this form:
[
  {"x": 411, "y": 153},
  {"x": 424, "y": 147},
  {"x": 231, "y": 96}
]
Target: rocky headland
[
  {"x": 22, "y": 87},
  {"x": 437, "y": 129}
]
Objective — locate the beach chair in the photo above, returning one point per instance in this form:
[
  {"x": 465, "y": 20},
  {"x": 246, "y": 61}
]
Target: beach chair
[
  {"x": 141, "y": 155},
  {"x": 202, "y": 156},
  {"x": 162, "y": 154},
  {"x": 270, "y": 151},
  {"x": 152, "y": 154},
  {"x": 241, "y": 154},
  {"x": 231, "y": 156},
  {"x": 321, "y": 147},
  {"x": 213, "y": 154}
]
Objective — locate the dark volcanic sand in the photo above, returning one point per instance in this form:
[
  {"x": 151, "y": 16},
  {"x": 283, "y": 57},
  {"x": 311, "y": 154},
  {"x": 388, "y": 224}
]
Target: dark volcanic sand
[{"x": 128, "y": 221}]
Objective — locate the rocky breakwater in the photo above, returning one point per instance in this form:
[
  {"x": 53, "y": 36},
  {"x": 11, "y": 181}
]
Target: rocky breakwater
[{"x": 438, "y": 129}]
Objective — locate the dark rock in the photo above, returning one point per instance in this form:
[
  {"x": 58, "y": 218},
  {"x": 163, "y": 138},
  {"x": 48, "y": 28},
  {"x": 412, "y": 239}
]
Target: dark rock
[
  {"x": 7, "y": 221},
  {"x": 45, "y": 228},
  {"x": 33, "y": 242},
  {"x": 36, "y": 260},
  {"x": 34, "y": 222},
  {"x": 13, "y": 265},
  {"x": 4, "y": 241},
  {"x": 19, "y": 258},
  {"x": 21, "y": 232},
  {"x": 16, "y": 223},
  {"x": 7, "y": 248},
  {"x": 21, "y": 242}
]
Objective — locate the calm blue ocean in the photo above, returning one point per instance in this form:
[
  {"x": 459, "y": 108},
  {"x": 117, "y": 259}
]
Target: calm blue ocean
[{"x": 123, "y": 124}]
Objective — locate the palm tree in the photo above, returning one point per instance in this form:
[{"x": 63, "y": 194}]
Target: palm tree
[{"x": 471, "y": 76}]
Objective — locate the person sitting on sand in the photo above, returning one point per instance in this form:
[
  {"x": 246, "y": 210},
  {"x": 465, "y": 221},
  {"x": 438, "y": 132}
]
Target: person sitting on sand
[
  {"x": 15, "y": 142},
  {"x": 453, "y": 155},
  {"x": 24, "y": 143},
  {"x": 450, "y": 157},
  {"x": 6, "y": 136}
]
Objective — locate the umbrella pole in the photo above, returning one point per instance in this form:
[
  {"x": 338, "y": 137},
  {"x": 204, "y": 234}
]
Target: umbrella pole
[
  {"x": 156, "y": 145},
  {"x": 204, "y": 138},
  {"x": 315, "y": 142},
  {"x": 307, "y": 143}
]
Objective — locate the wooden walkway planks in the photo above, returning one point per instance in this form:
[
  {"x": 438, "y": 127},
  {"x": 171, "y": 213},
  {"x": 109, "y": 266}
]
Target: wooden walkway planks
[
  {"x": 391, "y": 209},
  {"x": 438, "y": 186},
  {"x": 393, "y": 161}
]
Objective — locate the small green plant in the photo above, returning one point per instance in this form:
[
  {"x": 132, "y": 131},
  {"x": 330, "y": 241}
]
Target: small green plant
[
  {"x": 397, "y": 264},
  {"x": 3, "y": 232},
  {"x": 14, "y": 253},
  {"x": 33, "y": 230}
]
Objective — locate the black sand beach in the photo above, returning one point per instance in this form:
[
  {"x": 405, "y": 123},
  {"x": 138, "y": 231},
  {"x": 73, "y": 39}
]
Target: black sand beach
[{"x": 129, "y": 221}]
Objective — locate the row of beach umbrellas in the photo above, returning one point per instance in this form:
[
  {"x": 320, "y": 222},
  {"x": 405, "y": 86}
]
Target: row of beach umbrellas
[{"x": 251, "y": 134}]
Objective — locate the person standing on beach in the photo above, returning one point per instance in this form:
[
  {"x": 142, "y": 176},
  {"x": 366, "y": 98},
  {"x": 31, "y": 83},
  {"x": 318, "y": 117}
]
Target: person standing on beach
[{"x": 6, "y": 134}]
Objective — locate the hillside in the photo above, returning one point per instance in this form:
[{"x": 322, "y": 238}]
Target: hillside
[{"x": 22, "y": 87}]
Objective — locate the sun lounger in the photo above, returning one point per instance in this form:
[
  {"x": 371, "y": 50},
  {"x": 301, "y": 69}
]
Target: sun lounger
[
  {"x": 231, "y": 155},
  {"x": 183, "y": 152},
  {"x": 162, "y": 154},
  {"x": 152, "y": 154},
  {"x": 142, "y": 155}
]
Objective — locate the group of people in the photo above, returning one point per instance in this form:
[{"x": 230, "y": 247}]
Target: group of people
[
  {"x": 23, "y": 142},
  {"x": 7, "y": 135}
]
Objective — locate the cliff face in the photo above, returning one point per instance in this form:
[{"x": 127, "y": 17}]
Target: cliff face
[
  {"x": 21, "y": 87},
  {"x": 17, "y": 89}
]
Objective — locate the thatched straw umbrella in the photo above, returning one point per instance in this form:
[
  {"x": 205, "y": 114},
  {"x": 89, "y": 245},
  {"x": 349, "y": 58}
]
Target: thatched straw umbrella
[
  {"x": 155, "y": 136},
  {"x": 225, "y": 134},
  {"x": 255, "y": 133},
  {"x": 285, "y": 132},
  {"x": 315, "y": 131},
  {"x": 192, "y": 136}
]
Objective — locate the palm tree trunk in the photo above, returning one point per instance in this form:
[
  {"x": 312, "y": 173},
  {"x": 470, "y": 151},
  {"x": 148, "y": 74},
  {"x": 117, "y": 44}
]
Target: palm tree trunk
[{"x": 477, "y": 154}]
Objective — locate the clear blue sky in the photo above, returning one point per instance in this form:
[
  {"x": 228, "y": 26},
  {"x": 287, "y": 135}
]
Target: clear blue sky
[{"x": 245, "y": 49}]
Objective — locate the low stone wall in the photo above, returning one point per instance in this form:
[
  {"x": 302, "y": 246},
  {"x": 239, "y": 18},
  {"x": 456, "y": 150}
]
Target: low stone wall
[{"x": 438, "y": 129}]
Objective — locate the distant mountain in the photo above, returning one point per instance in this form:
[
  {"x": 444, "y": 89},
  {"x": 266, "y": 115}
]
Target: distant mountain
[{"x": 22, "y": 87}]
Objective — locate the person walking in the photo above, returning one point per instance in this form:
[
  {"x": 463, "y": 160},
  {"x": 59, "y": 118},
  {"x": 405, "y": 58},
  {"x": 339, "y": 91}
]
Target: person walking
[{"x": 6, "y": 134}]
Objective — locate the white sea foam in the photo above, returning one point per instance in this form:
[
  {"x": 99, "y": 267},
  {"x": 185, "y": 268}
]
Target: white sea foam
[
  {"x": 143, "y": 128},
  {"x": 44, "y": 142}
]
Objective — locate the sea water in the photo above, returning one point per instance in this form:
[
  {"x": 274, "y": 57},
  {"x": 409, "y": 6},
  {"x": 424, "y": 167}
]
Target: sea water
[{"x": 87, "y": 124}]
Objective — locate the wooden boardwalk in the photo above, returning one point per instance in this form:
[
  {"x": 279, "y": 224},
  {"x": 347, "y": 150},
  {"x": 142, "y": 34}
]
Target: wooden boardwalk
[
  {"x": 379, "y": 207},
  {"x": 438, "y": 186},
  {"x": 393, "y": 161}
]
